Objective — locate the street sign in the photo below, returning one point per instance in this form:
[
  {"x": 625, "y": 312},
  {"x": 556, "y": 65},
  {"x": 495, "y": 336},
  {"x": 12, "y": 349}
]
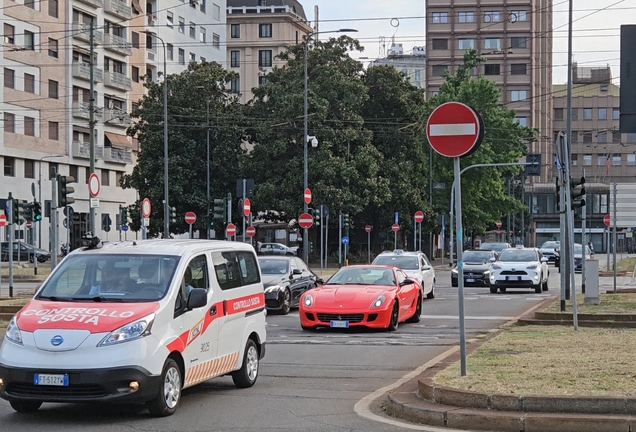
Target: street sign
[
  {"x": 345, "y": 240},
  {"x": 250, "y": 231},
  {"x": 368, "y": 228},
  {"x": 454, "y": 129},
  {"x": 419, "y": 216},
  {"x": 305, "y": 220},
  {"x": 230, "y": 230},
  {"x": 307, "y": 196},
  {"x": 145, "y": 208},
  {"x": 29, "y": 224},
  {"x": 395, "y": 227},
  {"x": 3, "y": 220},
  {"x": 69, "y": 211},
  {"x": 607, "y": 220},
  {"x": 94, "y": 202},
  {"x": 124, "y": 227},
  {"x": 93, "y": 185},
  {"x": 190, "y": 218},
  {"x": 396, "y": 217},
  {"x": 247, "y": 207},
  {"x": 498, "y": 224},
  {"x": 146, "y": 222}
]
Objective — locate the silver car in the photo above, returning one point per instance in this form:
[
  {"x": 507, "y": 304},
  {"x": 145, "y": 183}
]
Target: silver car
[{"x": 277, "y": 249}]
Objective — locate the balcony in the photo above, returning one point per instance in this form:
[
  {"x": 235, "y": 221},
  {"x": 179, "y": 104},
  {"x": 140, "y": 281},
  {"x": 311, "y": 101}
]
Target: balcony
[
  {"x": 151, "y": 54},
  {"x": 80, "y": 110},
  {"x": 118, "y": 81},
  {"x": 83, "y": 150},
  {"x": 94, "y": 3},
  {"x": 115, "y": 117},
  {"x": 119, "y": 8},
  {"x": 82, "y": 31},
  {"x": 83, "y": 71},
  {"x": 152, "y": 19},
  {"x": 118, "y": 44},
  {"x": 122, "y": 156}
]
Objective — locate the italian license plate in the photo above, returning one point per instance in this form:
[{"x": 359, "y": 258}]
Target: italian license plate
[
  {"x": 513, "y": 278},
  {"x": 339, "y": 324},
  {"x": 470, "y": 280},
  {"x": 50, "y": 380}
]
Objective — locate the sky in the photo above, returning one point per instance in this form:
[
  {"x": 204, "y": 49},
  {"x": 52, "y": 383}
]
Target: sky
[{"x": 595, "y": 28}]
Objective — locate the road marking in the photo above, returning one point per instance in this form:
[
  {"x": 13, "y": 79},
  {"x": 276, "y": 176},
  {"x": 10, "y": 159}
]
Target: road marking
[{"x": 504, "y": 318}]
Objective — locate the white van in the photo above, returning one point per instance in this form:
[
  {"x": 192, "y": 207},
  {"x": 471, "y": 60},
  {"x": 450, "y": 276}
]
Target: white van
[{"x": 137, "y": 322}]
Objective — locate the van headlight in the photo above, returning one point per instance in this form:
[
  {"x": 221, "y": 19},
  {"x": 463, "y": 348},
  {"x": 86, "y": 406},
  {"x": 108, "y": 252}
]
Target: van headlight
[
  {"x": 308, "y": 301},
  {"x": 273, "y": 288},
  {"x": 134, "y": 330},
  {"x": 13, "y": 332},
  {"x": 378, "y": 302}
]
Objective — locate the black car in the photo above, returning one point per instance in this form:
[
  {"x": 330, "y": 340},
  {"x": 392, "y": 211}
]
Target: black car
[
  {"x": 285, "y": 279},
  {"x": 477, "y": 266},
  {"x": 23, "y": 252}
]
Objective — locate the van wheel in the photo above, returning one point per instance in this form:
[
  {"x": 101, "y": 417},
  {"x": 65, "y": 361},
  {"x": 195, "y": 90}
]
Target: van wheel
[
  {"x": 25, "y": 406},
  {"x": 169, "y": 392},
  {"x": 246, "y": 376}
]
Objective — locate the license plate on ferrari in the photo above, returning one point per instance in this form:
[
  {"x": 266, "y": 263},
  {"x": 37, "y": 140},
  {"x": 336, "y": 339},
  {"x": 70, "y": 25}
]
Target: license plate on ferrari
[
  {"x": 50, "y": 380},
  {"x": 339, "y": 324},
  {"x": 513, "y": 278},
  {"x": 470, "y": 280}
]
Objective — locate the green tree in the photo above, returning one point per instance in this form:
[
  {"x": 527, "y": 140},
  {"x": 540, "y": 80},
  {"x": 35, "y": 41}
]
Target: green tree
[{"x": 188, "y": 96}]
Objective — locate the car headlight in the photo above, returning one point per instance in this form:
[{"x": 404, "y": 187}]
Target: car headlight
[
  {"x": 379, "y": 301},
  {"x": 308, "y": 301},
  {"x": 273, "y": 288},
  {"x": 13, "y": 332},
  {"x": 134, "y": 330},
  {"x": 532, "y": 267},
  {"x": 496, "y": 267}
]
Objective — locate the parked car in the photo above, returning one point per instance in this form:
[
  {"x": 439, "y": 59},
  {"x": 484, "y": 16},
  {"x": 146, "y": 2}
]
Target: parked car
[
  {"x": 549, "y": 250},
  {"x": 285, "y": 280},
  {"x": 477, "y": 267},
  {"x": 363, "y": 296},
  {"x": 495, "y": 246},
  {"x": 416, "y": 266},
  {"x": 277, "y": 249},
  {"x": 578, "y": 257},
  {"x": 23, "y": 252},
  {"x": 519, "y": 268}
]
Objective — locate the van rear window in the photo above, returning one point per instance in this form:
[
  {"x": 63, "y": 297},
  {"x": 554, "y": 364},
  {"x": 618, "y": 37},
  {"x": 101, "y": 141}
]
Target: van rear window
[{"x": 235, "y": 269}]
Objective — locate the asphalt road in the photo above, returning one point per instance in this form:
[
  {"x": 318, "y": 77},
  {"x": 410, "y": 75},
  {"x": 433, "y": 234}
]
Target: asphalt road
[{"x": 309, "y": 381}]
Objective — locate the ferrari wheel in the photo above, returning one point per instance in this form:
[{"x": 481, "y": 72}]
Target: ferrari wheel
[
  {"x": 393, "y": 324},
  {"x": 418, "y": 312}
]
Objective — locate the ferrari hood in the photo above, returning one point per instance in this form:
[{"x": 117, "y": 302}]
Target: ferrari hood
[{"x": 347, "y": 295}]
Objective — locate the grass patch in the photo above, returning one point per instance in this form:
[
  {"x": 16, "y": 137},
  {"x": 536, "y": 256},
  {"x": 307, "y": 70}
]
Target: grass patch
[
  {"x": 551, "y": 360},
  {"x": 626, "y": 264},
  {"x": 15, "y": 301},
  {"x": 44, "y": 269},
  {"x": 3, "y": 324},
  {"x": 610, "y": 303}
]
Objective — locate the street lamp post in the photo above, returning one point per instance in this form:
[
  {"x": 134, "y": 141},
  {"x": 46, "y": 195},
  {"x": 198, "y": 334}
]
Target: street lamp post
[
  {"x": 40, "y": 194},
  {"x": 306, "y": 133},
  {"x": 166, "y": 208},
  {"x": 207, "y": 141}
]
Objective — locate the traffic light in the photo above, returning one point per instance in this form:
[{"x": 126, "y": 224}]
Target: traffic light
[
  {"x": 535, "y": 168},
  {"x": 311, "y": 247},
  {"x": 173, "y": 215},
  {"x": 317, "y": 218},
  {"x": 17, "y": 211},
  {"x": 27, "y": 212},
  {"x": 558, "y": 194},
  {"x": 106, "y": 222},
  {"x": 63, "y": 190},
  {"x": 123, "y": 215},
  {"x": 211, "y": 219},
  {"x": 577, "y": 195},
  {"x": 37, "y": 211},
  {"x": 345, "y": 220},
  {"x": 220, "y": 210}
]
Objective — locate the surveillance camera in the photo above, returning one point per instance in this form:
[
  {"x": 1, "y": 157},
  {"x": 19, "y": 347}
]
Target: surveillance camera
[{"x": 313, "y": 140}]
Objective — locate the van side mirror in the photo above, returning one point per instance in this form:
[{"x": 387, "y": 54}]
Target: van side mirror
[
  {"x": 492, "y": 259},
  {"x": 297, "y": 271},
  {"x": 197, "y": 298}
]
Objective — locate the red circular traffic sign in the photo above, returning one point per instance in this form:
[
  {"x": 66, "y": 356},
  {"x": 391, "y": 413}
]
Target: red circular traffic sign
[
  {"x": 305, "y": 220},
  {"x": 29, "y": 224},
  {"x": 247, "y": 207},
  {"x": 3, "y": 220},
  {"x": 230, "y": 230},
  {"x": 395, "y": 227},
  {"x": 607, "y": 220},
  {"x": 93, "y": 185},
  {"x": 146, "y": 207},
  {"x": 307, "y": 196},
  {"x": 454, "y": 129},
  {"x": 250, "y": 231},
  {"x": 498, "y": 224},
  {"x": 419, "y": 216},
  {"x": 190, "y": 218},
  {"x": 368, "y": 228}
]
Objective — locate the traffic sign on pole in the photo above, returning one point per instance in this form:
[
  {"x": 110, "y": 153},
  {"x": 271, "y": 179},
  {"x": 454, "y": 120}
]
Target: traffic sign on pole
[
  {"x": 247, "y": 207},
  {"x": 419, "y": 216},
  {"x": 345, "y": 240},
  {"x": 368, "y": 228},
  {"x": 29, "y": 224},
  {"x": 230, "y": 230},
  {"x": 94, "y": 185},
  {"x": 190, "y": 218},
  {"x": 250, "y": 231},
  {"x": 3, "y": 220},
  {"x": 305, "y": 220},
  {"x": 607, "y": 220},
  {"x": 145, "y": 208},
  {"x": 395, "y": 227},
  {"x": 454, "y": 129},
  {"x": 307, "y": 195}
]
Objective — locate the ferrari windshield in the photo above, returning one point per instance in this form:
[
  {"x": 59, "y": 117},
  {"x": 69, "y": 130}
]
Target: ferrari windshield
[
  {"x": 110, "y": 278},
  {"x": 363, "y": 276},
  {"x": 518, "y": 255},
  {"x": 399, "y": 261},
  {"x": 273, "y": 266}
]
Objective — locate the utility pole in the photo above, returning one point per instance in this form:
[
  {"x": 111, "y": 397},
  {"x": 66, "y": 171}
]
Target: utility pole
[{"x": 91, "y": 128}]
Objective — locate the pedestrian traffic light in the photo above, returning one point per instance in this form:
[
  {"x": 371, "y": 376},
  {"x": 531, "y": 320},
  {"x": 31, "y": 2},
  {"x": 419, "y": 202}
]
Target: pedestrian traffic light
[
  {"x": 173, "y": 215},
  {"x": 64, "y": 191},
  {"x": 345, "y": 220},
  {"x": 535, "y": 168},
  {"x": 577, "y": 195},
  {"x": 37, "y": 211},
  {"x": 220, "y": 210}
]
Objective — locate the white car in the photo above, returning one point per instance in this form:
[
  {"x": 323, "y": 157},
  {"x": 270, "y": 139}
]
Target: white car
[
  {"x": 519, "y": 268},
  {"x": 277, "y": 249},
  {"x": 416, "y": 266}
]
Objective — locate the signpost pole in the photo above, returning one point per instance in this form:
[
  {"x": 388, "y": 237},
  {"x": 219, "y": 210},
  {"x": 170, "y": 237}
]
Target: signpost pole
[
  {"x": 11, "y": 228},
  {"x": 369, "y": 247},
  {"x": 244, "y": 181},
  {"x": 414, "y": 236},
  {"x": 420, "y": 235},
  {"x": 460, "y": 264},
  {"x": 614, "y": 232}
]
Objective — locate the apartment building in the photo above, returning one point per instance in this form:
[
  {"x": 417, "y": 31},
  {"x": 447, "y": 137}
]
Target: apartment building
[
  {"x": 45, "y": 102},
  {"x": 257, "y": 31},
  {"x": 412, "y": 65},
  {"x": 515, "y": 37}
]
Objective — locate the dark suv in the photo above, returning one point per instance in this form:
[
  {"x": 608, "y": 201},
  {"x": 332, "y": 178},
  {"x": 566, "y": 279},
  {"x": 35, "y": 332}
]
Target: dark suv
[{"x": 23, "y": 252}]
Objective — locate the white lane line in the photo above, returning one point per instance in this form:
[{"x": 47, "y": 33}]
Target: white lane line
[
  {"x": 504, "y": 318},
  {"x": 452, "y": 129}
]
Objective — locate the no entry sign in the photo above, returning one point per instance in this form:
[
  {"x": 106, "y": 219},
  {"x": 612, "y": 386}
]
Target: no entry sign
[
  {"x": 307, "y": 196},
  {"x": 247, "y": 207},
  {"x": 250, "y": 231},
  {"x": 368, "y": 228},
  {"x": 419, "y": 216},
  {"x": 454, "y": 129},
  {"x": 230, "y": 230},
  {"x": 3, "y": 220},
  {"x": 607, "y": 220},
  {"x": 190, "y": 218},
  {"x": 395, "y": 227},
  {"x": 305, "y": 220}
]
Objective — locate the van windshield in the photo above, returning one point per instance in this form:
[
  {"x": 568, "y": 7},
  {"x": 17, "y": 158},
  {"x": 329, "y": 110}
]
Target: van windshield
[{"x": 110, "y": 278}]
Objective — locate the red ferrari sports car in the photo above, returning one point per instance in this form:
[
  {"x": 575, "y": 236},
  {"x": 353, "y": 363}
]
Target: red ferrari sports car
[{"x": 374, "y": 296}]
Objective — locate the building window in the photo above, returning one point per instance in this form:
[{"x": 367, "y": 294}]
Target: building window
[
  {"x": 494, "y": 43},
  {"x": 118, "y": 176},
  {"x": 631, "y": 137},
  {"x": 181, "y": 25},
  {"x": 518, "y": 95},
  {"x": 135, "y": 40},
  {"x": 9, "y": 78},
  {"x": 438, "y": 70},
  {"x": 29, "y": 40},
  {"x": 464, "y": 44},
  {"x": 262, "y": 80},
  {"x": 466, "y": 17},
  {"x": 616, "y": 136},
  {"x": 631, "y": 159},
  {"x": 216, "y": 41},
  {"x": 574, "y": 137},
  {"x": 170, "y": 50},
  {"x": 53, "y": 8},
  {"x": 9, "y": 34},
  {"x": 616, "y": 159},
  {"x": 523, "y": 121},
  {"x": 202, "y": 59},
  {"x": 440, "y": 44},
  {"x": 602, "y": 137},
  {"x": 574, "y": 114},
  {"x": 30, "y": 4},
  {"x": 235, "y": 58},
  {"x": 518, "y": 42},
  {"x": 216, "y": 12},
  {"x": 587, "y": 113},
  {"x": 170, "y": 19},
  {"x": 440, "y": 17},
  {"x": 9, "y": 122},
  {"x": 491, "y": 16},
  {"x": 235, "y": 31},
  {"x": 587, "y": 137},
  {"x": 558, "y": 113},
  {"x": 264, "y": 30},
  {"x": 53, "y": 48},
  {"x": 193, "y": 58},
  {"x": 587, "y": 159},
  {"x": 265, "y": 58},
  {"x": 29, "y": 83},
  {"x": 417, "y": 75},
  {"x": 9, "y": 166},
  {"x": 181, "y": 56},
  {"x": 203, "y": 6},
  {"x": 54, "y": 131},
  {"x": 193, "y": 30},
  {"x": 601, "y": 160},
  {"x": 235, "y": 84},
  {"x": 73, "y": 171},
  {"x": 29, "y": 168},
  {"x": 616, "y": 114},
  {"x": 575, "y": 159},
  {"x": 518, "y": 69},
  {"x": 202, "y": 35},
  {"x": 87, "y": 173},
  {"x": 135, "y": 74},
  {"x": 29, "y": 126},
  {"x": 602, "y": 113},
  {"x": 105, "y": 177},
  {"x": 492, "y": 69},
  {"x": 518, "y": 16}
]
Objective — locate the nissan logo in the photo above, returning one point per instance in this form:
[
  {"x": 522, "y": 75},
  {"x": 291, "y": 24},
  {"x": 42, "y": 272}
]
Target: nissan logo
[{"x": 57, "y": 340}]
